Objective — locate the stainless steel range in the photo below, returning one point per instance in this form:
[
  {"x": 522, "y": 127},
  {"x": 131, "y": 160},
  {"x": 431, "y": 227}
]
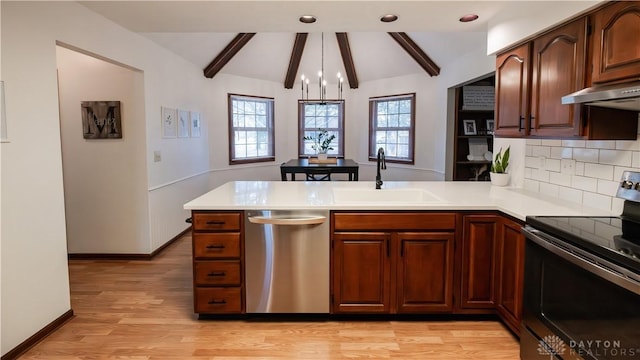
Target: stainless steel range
[{"x": 582, "y": 284}]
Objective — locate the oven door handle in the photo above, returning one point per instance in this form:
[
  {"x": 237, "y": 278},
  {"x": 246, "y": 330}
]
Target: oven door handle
[{"x": 598, "y": 266}]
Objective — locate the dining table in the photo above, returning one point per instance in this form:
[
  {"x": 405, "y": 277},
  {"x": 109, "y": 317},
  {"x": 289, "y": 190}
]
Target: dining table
[{"x": 314, "y": 166}]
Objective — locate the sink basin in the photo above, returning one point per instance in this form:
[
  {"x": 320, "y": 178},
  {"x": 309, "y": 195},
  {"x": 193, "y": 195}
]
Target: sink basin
[{"x": 400, "y": 196}]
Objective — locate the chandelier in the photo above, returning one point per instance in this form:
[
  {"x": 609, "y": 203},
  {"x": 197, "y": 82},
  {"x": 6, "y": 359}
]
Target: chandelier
[{"x": 322, "y": 81}]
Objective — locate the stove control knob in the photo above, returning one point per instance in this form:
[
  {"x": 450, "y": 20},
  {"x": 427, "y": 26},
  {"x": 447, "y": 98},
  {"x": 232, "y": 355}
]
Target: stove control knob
[{"x": 626, "y": 184}]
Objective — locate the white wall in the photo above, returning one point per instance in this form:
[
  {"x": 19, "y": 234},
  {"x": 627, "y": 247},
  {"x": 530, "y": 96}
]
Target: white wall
[
  {"x": 504, "y": 32},
  {"x": 285, "y": 120},
  {"x": 33, "y": 232}
]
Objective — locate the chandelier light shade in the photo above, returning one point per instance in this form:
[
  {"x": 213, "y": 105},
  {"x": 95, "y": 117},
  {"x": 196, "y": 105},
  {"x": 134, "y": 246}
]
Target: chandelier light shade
[{"x": 322, "y": 81}]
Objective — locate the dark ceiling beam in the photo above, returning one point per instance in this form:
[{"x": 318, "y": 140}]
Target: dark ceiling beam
[
  {"x": 416, "y": 53},
  {"x": 294, "y": 61},
  {"x": 227, "y": 54},
  {"x": 347, "y": 59}
]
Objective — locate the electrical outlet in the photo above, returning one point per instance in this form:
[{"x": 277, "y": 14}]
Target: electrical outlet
[{"x": 157, "y": 157}]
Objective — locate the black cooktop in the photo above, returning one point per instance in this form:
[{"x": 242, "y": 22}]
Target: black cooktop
[{"x": 613, "y": 238}]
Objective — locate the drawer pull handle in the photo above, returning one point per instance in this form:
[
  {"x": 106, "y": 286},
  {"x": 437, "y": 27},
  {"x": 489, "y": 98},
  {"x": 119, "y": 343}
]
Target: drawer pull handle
[
  {"x": 212, "y": 222},
  {"x": 217, "y": 302},
  {"x": 215, "y": 246},
  {"x": 217, "y": 273}
]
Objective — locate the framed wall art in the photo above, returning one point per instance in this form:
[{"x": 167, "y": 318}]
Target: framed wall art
[
  {"x": 101, "y": 120},
  {"x": 169, "y": 122},
  {"x": 183, "y": 123},
  {"x": 490, "y": 125},
  {"x": 195, "y": 124},
  {"x": 469, "y": 127}
]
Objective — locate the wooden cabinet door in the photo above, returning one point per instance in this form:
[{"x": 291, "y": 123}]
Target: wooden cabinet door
[
  {"x": 510, "y": 273},
  {"x": 616, "y": 46},
  {"x": 558, "y": 69},
  {"x": 512, "y": 92},
  {"x": 424, "y": 277},
  {"x": 361, "y": 272},
  {"x": 479, "y": 248}
]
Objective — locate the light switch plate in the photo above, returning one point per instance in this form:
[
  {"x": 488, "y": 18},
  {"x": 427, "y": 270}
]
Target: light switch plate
[{"x": 157, "y": 157}]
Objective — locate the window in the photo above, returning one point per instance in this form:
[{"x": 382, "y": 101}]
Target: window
[
  {"x": 314, "y": 116},
  {"x": 250, "y": 129},
  {"x": 392, "y": 127}
]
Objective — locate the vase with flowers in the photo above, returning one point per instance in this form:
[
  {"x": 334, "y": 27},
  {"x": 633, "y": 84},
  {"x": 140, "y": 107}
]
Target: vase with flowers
[{"x": 321, "y": 143}]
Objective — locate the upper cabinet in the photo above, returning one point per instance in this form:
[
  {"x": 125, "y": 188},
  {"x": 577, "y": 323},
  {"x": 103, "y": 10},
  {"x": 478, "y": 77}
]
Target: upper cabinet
[
  {"x": 616, "y": 30},
  {"x": 512, "y": 91},
  {"x": 558, "y": 69},
  {"x": 532, "y": 78}
]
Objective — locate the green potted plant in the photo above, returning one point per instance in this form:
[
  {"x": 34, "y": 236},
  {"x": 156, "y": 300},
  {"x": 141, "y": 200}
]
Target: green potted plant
[
  {"x": 321, "y": 142},
  {"x": 498, "y": 173}
]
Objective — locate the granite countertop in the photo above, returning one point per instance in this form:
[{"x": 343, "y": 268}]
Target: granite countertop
[{"x": 395, "y": 195}]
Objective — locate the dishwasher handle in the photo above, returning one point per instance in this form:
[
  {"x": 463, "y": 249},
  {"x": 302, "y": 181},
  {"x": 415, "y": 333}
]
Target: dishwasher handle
[{"x": 288, "y": 220}]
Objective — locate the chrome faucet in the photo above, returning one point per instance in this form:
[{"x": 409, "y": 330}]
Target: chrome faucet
[{"x": 381, "y": 165}]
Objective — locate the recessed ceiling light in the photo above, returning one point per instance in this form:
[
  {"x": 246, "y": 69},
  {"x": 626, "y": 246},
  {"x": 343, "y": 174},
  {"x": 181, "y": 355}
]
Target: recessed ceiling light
[
  {"x": 469, "y": 18},
  {"x": 389, "y": 18},
  {"x": 307, "y": 19}
]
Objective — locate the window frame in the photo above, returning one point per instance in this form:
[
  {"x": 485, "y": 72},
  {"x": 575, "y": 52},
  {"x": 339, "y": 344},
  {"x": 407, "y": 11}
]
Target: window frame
[
  {"x": 302, "y": 128},
  {"x": 270, "y": 129},
  {"x": 373, "y": 149}
]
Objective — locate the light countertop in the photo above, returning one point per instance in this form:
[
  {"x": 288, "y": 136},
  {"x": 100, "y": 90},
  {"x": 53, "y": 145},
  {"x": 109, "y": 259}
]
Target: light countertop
[{"x": 394, "y": 195}]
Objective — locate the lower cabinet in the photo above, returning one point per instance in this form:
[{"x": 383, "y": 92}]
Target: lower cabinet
[
  {"x": 361, "y": 272},
  {"x": 217, "y": 262},
  {"x": 392, "y": 262},
  {"x": 492, "y": 267},
  {"x": 478, "y": 262},
  {"x": 510, "y": 256},
  {"x": 424, "y": 277}
]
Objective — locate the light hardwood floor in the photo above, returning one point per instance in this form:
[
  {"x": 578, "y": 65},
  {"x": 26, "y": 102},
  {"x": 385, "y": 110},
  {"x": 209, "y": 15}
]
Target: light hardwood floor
[{"x": 144, "y": 310}]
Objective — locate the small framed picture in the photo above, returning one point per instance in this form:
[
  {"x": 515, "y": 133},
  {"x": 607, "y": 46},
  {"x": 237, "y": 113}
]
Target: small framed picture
[
  {"x": 169, "y": 122},
  {"x": 469, "y": 127},
  {"x": 490, "y": 127},
  {"x": 195, "y": 124},
  {"x": 183, "y": 123}
]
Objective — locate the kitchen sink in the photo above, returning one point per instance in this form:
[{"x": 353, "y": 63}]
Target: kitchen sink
[{"x": 406, "y": 196}]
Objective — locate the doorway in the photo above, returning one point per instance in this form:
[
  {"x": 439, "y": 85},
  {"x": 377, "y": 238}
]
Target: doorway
[{"x": 105, "y": 179}]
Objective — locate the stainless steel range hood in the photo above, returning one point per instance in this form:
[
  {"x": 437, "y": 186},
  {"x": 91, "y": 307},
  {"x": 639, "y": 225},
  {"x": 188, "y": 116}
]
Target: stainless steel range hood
[{"x": 619, "y": 96}]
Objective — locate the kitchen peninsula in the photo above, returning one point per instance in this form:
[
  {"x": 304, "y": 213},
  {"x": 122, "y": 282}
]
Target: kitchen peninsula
[
  {"x": 438, "y": 195},
  {"x": 409, "y": 248}
]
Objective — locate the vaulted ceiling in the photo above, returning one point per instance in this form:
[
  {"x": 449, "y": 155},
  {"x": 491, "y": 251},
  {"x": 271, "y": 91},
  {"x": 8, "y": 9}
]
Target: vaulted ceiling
[{"x": 200, "y": 31}]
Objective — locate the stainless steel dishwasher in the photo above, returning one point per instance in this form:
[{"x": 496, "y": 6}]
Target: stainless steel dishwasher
[{"x": 287, "y": 261}]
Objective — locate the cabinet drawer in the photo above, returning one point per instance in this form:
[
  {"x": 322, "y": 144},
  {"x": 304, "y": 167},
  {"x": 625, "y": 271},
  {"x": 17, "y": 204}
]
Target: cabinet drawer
[
  {"x": 214, "y": 221},
  {"x": 394, "y": 221},
  {"x": 217, "y": 272},
  {"x": 218, "y": 300},
  {"x": 222, "y": 245}
]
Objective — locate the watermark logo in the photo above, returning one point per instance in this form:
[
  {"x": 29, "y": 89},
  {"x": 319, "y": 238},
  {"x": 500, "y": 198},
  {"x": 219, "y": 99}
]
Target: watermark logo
[{"x": 551, "y": 345}]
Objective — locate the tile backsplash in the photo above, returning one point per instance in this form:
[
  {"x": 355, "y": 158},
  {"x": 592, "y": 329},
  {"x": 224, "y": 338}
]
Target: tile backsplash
[{"x": 581, "y": 171}]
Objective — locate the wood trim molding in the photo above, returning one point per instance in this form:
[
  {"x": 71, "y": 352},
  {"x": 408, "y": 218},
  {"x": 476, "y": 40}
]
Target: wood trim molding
[
  {"x": 35, "y": 338},
  {"x": 294, "y": 61},
  {"x": 416, "y": 53},
  {"x": 227, "y": 54},
  {"x": 347, "y": 59},
  {"x": 98, "y": 256}
]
